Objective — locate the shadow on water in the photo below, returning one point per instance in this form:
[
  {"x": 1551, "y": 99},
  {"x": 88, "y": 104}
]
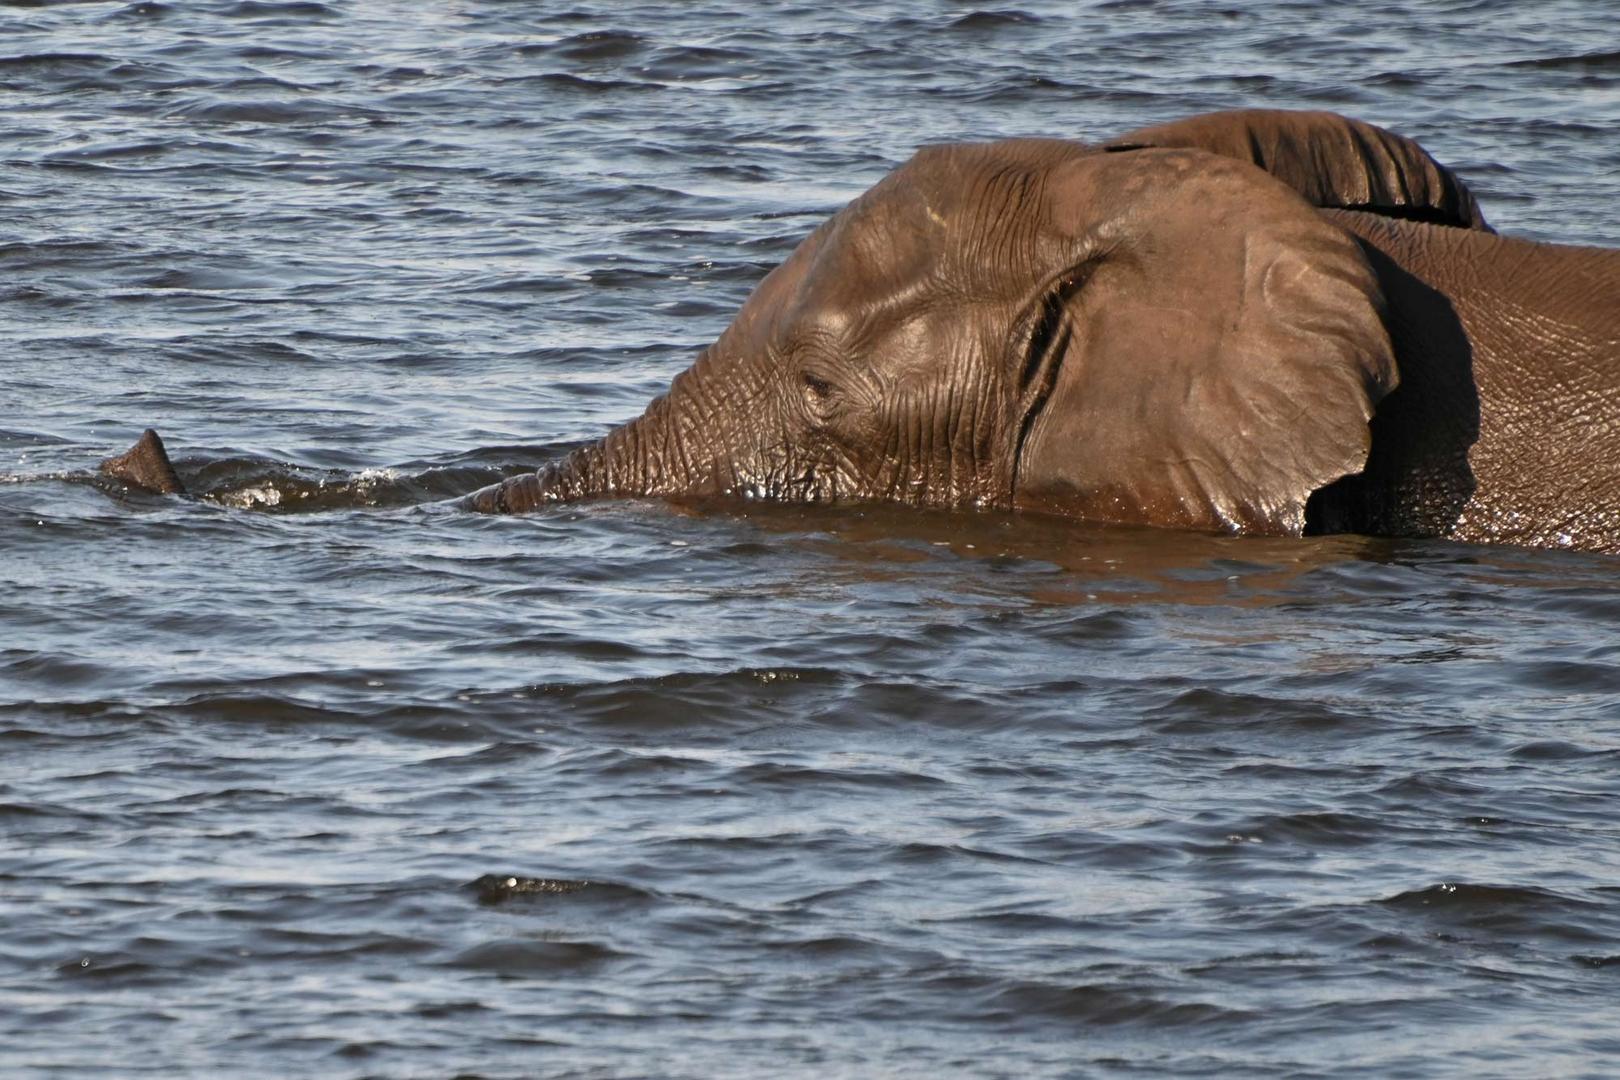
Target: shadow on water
[
  {"x": 1070, "y": 563},
  {"x": 1065, "y": 562}
]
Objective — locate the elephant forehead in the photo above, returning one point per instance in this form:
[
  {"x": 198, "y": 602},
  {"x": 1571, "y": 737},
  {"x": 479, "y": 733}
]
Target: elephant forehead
[
  {"x": 891, "y": 236},
  {"x": 875, "y": 266},
  {"x": 952, "y": 218}
]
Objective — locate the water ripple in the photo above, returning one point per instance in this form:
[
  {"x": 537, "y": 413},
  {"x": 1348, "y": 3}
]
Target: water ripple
[{"x": 313, "y": 768}]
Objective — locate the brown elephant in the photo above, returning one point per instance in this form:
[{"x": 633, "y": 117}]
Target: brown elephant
[{"x": 1257, "y": 322}]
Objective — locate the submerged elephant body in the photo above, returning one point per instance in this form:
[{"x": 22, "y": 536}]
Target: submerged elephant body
[
  {"x": 1259, "y": 322},
  {"x": 1255, "y": 322},
  {"x": 1507, "y": 425}
]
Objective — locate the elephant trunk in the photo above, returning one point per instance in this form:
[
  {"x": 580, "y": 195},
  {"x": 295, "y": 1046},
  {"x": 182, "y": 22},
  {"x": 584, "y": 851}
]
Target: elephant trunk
[
  {"x": 577, "y": 476},
  {"x": 675, "y": 447}
]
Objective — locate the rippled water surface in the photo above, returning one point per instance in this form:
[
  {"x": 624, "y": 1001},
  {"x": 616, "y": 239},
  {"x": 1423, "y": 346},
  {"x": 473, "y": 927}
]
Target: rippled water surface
[{"x": 317, "y": 775}]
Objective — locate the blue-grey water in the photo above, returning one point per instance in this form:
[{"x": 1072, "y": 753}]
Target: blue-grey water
[{"x": 316, "y": 775}]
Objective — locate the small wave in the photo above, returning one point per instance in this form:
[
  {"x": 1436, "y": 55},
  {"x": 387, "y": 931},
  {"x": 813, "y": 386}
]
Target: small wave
[
  {"x": 1605, "y": 61},
  {"x": 1512, "y": 911},
  {"x": 30, "y": 62},
  {"x": 69, "y": 72},
  {"x": 563, "y": 80},
  {"x": 526, "y": 956},
  {"x": 114, "y": 151},
  {"x": 276, "y": 113},
  {"x": 55, "y": 71},
  {"x": 886, "y": 777},
  {"x": 747, "y": 695},
  {"x": 293, "y": 10},
  {"x": 205, "y": 280},
  {"x": 595, "y": 45},
  {"x": 522, "y": 285},
  {"x": 499, "y": 888},
  {"x": 228, "y": 351},
  {"x": 146, "y": 9},
  {"x": 1208, "y": 709},
  {"x": 1558, "y": 750},
  {"x": 1019, "y": 88},
  {"x": 114, "y": 970},
  {"x": 264, "y": 485},
  {"x": 255, "y": 709},
  {"x": 696, "y": 63},
  {"x": 1320, "y": 830},
  {"x": 1461, "y": 896},
  {"x": 1593, "y": 961},
  {"x": 994, "y": 20},
  {"x": 552, "y": 643},
  {"x": 1110, "y": 625},
  {"x": 1567, "y": 677},
  {"x": 1100, "y": 1005}
]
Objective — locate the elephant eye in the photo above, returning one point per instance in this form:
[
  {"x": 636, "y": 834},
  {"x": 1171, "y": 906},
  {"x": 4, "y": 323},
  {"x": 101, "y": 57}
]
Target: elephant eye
[
  {"x": 820, "y": 389},
  {"x": 1050, "y": 330}
]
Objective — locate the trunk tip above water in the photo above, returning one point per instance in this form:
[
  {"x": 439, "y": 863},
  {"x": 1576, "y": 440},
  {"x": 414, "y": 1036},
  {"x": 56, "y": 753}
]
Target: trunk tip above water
[{"x": 146, "y": 466}]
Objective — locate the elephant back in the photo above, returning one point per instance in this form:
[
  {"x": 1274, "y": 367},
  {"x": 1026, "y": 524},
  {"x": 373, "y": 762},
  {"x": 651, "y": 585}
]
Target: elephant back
[{"x": 1333, "y": 161}]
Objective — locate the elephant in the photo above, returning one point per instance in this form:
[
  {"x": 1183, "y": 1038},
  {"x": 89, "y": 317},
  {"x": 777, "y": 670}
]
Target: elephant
[{"x": 1256, "y": 322}]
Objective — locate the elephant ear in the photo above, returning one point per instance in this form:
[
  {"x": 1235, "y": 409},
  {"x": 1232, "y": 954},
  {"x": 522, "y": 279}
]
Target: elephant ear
[
  {"x": 1334, "y": 162},
  {"x": 1205, "y": 353}
]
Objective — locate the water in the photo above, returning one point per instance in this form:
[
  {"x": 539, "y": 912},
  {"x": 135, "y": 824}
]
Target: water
[{"x": 319, "y": 776}]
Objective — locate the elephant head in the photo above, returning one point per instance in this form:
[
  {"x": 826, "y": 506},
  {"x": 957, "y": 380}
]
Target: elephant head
[{"x": 1149, "y": 332}]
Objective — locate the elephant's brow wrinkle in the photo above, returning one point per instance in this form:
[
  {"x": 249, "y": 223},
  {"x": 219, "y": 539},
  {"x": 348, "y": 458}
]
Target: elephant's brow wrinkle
[{"x": 1002, "y": 192}]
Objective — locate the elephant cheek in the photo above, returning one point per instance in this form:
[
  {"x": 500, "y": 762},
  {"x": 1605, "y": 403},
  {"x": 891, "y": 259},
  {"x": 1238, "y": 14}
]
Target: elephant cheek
[
  {"x": 1040, "y": 481},
  {"x": 1065, "y": 467}
]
